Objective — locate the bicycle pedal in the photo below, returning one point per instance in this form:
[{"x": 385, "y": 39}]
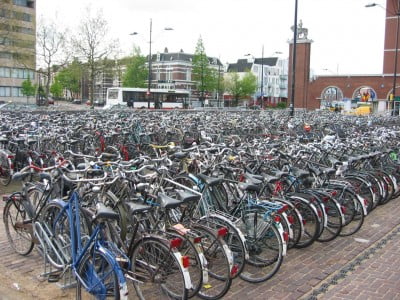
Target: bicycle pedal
[{"x": 54, "y": 277}]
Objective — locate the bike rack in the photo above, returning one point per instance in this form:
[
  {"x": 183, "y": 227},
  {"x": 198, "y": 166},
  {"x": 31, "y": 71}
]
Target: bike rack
[{"x": 49, "y": 271}]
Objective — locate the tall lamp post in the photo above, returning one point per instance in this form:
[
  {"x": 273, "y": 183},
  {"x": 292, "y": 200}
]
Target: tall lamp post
[
  {"x": 149, "y": 78},
  {"x": 262, "y": 77},
  {"x": 397, "y": 14},
  {"x": 294, "y": 60}
]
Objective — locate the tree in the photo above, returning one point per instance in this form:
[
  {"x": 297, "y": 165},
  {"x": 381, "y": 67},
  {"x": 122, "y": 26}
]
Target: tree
[
  {"x": 91, "y": 44},
  {"x": 70, "y": 77},
  {"x": 28, "y": 89},
  {"x": 51, "y": 46},
  {"x": 205, "y": 76},
  {"x": 56, "y": 89},
  {"x": 240, "y": 88},
  {"x": 136, "y": 72}
]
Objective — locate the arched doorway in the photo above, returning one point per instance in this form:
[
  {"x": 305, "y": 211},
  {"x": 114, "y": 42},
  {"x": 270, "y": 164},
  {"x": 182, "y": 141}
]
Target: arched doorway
[
  {"x": 365, "y": 96},
  {"x": 331, "y": 96}
]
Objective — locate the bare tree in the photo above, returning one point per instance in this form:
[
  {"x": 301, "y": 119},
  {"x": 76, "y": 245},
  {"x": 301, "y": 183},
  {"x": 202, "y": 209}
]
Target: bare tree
[
  {"x": 92, "y": 44},
  {"x": 51, "y": 49}
]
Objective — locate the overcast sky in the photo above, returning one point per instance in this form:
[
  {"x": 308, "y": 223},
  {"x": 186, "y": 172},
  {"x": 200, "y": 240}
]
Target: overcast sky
[{"x": 348, "y": 38}]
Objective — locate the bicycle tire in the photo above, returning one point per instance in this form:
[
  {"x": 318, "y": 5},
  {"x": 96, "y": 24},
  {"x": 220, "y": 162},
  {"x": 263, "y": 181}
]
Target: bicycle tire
[
  {"x": 265, "y": 248},
  {"x": 57, "y": 227},
  {"x": 96, "y": 271},
  {"x": 233, "y": 239},
  {"x": 18, "y": 225},
  {"x": 310, "y": 219},
  {"x": 219, "y": 272},
  {"x": 187, "y": 248},
  {"x": 5, "y": 170},
  {"x": 152, "y": 263}
]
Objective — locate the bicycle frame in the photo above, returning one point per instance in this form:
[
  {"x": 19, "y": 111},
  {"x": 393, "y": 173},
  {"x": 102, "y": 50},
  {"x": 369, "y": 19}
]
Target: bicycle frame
[{"x": 78, "y": 251}]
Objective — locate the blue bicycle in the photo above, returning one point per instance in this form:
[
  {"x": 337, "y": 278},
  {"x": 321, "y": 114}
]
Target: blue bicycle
[{"x": 70, "y": 240}]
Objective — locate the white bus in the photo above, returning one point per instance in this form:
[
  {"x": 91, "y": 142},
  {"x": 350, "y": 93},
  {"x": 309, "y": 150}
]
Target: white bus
[{"x": 140, "y": 98}]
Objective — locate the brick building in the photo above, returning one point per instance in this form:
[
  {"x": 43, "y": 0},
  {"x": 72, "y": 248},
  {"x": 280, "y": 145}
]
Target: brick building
[{"x": 375, "y": 90}]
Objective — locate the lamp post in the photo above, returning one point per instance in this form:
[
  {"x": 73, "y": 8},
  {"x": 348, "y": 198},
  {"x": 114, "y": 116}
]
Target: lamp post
[
  {"x": 262, "y": 77},
  {"x": 218, "y": 83},
  {"x": 149, "y": 78},
  {"x": 294, "y": 60},
  {"x": 397, "y": 14}
]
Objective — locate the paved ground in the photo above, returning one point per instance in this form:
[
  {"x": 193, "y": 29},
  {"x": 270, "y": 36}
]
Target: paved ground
[{"x": 363, "y": 266}]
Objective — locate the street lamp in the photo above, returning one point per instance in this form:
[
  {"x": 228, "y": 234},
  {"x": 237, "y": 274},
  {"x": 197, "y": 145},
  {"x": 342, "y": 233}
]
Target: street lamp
[
  {"x": 397, "y": 14},
  {"x": 262, "y": 77},
  {"x": 156, "y": 103}
]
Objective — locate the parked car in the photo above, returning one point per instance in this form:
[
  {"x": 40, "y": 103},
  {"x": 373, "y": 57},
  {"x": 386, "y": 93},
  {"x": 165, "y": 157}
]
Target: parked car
[
  {"x": 77, "y": 101},
  {"x": 99, "y": 102},
  {"x": 50, "y": 101}
]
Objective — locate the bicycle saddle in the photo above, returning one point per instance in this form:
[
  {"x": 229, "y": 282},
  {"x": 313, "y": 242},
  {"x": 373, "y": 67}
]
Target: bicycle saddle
[
  {"x": 105, "y": 213},
  {"x": 209, "y": 180},
  {"x": 187, "y": 197},
  {"x": 168, "y": 202},
  {"x": 137, "y": 207}
]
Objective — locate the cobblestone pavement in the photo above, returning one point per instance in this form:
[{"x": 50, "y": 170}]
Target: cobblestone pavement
[{"x": 363, "y": 266}]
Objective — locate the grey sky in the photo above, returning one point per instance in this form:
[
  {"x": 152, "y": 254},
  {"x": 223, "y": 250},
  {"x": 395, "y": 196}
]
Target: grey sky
[{"x": 347, "y": 36}]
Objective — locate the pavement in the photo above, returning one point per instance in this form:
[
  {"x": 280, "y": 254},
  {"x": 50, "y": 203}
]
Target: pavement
[{"x": 363, "y": 266}]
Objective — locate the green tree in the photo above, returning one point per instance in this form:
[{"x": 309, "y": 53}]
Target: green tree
[
  {"x": 202, "y": 72},
  {"x": 56, "y": 89},
  {"x": 28, "y": 89},
  {"x": 240, "y": 87},
  {"x": 136, "y": 72},
  {"x": 70, "y": 77}
]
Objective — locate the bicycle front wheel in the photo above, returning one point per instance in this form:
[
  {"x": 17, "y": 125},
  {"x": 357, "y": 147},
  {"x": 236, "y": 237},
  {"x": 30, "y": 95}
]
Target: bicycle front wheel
[{"x": 97, "y": 278}]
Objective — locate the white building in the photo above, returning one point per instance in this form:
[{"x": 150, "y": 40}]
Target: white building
[{"x": 271, "y": 74}]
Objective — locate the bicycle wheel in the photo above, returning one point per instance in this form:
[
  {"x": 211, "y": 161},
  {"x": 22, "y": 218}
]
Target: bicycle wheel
[
  {"x": 362, "y": 188},
  {"x": 5, "y": 170},
  {"x": 234, "y": 239},
  {"x": 295, "y": 222},
  {"x": 189, "y": 249},
  {"x": 334, "y": 219},
  {"x": 310, "y": 219},
  {"x": 219, "y": 278},
  {"x": 56, "y": 226},
  {"x": 97, "y": 277},
  {"x": 157, "y": 271},
  {"x": 353, "y": 211},
  {"x": 265, "y": 247},
  {"x": 17, "y": 220}
]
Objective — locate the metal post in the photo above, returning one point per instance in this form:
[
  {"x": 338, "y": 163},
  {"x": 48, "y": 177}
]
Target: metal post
[
  {"x": 218, "y": 87},
  {"x": 149, "y": 77},
  {"x": 294, "y": 60},
  {"x": 202, "y": 80},
  {"x": 262, "y": 77},
  {"x": 395, "y": 58}
]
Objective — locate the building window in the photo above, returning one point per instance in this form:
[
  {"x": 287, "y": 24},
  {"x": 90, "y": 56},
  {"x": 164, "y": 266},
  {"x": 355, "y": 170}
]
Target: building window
[
  {"x": 5, "y": 91},
  {"x": 6, "y": 55},
  {"x": 21, "y": 2},
  {"x": 5, "y": 72}
]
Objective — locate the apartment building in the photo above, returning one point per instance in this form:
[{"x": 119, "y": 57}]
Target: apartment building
[
  {"x": 271, "y": 74},
  {"x": 174, "y": 71},
  {"x": 17, "y": 46}
]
